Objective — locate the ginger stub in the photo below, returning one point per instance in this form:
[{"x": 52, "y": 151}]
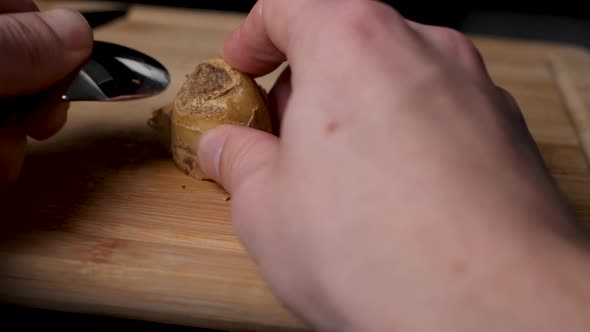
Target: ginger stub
[{"x": 212, "y": 95}]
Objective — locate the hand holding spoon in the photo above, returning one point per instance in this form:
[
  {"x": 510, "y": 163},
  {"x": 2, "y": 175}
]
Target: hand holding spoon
[{"x": 112, "y": 73}]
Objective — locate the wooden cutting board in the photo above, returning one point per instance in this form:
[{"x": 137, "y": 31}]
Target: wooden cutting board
[{"x": 102, "y": 221}]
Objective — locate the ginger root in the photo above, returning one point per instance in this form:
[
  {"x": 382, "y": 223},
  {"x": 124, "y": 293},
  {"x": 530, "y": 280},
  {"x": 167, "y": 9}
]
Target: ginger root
[{"x": 212, "y": 95}]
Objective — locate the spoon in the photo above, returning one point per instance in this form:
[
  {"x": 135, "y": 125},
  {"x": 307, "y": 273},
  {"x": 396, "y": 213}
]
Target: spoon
[{"x": 115, "y": 73}]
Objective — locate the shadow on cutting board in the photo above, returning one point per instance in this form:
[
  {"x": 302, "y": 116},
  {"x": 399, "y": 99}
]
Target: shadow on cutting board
[
  {"x": 54, "y": 186},
  {"x": 57, "y": 184},
  {"x": 26, "y": 318}
]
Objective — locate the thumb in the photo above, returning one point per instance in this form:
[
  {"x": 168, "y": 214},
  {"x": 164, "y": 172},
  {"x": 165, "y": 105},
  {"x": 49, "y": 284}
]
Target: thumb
[
  {"x": 13, "y": 146},
  {"x": 235, "y": 155},
  {"x": 41, "y": 49}
]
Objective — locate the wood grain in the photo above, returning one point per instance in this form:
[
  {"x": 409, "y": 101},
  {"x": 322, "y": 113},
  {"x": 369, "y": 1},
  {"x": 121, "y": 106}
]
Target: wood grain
[
  {"x": 551, "y": 85},
  {"x": 103, "y": 222}
]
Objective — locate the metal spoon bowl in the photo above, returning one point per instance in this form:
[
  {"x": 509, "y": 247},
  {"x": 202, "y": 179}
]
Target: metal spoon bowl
[
  {"x": 113, "y": 73},
  {"x": 116, "y": 73}
]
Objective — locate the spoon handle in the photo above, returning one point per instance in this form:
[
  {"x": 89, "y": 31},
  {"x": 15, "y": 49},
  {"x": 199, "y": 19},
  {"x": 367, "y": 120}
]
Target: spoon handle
[{"x": 84, "y": 88}]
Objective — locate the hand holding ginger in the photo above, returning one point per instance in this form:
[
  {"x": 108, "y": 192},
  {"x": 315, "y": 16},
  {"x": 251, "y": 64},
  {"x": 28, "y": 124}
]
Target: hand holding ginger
[{"x": 404, "y": 192}]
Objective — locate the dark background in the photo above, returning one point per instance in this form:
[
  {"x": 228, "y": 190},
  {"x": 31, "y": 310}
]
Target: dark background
[
  {"x": 559, "y": 21},
  {"x": 435, "y": 12}
]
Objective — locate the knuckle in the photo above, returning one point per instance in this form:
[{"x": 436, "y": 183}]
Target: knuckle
[
  {"x": 454, "y": 38},
  {"x": 459, "y": 45},
  {"x": 366, "y": 18}
]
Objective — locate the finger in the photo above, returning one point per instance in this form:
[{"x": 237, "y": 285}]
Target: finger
[
  {"x": 255, "y": 47},
  {"x": 50, "y": 113},
  {"x": 514, "y": 112},
  {"x": 17, "y": 6},
  {"x": 243, "y": 161},
  {"x": 236, "y": 156},
  {"x": 278, "y": 98},
  {"x": 40, "y": 49},
  {"x": 509, "y": 99},
  {"x": 525, "y": 135},
  {"x": 13, "y": 142},
  {"x": 453, "y": 45},
  {"x": 510, "y": 103},
  {"x": 365, "y": 31},
  {"x": 47, "y": 122}
]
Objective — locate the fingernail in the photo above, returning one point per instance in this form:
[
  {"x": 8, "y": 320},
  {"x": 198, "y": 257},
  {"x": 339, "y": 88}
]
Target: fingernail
[
  {"x": 70, "y": 27},
  {"x": 210, "y": 148}
]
